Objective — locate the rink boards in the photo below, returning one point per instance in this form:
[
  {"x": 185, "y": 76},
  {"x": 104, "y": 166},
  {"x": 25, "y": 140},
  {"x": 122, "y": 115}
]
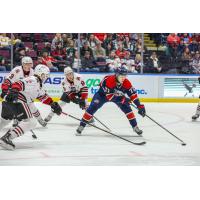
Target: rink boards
[{"x": 150, "y": 88}]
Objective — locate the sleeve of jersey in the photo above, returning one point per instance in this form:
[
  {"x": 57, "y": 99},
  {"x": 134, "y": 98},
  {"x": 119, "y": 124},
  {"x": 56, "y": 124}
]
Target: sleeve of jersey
[
  {"x": 83, "y": 90},
  {"x": 6, "y": 84},
  {"x": 108, "y": 91},
  {"x": 19, "y": 85},
  {"x": 132, "y": 93},
  {"x": 45, "y": 99}
]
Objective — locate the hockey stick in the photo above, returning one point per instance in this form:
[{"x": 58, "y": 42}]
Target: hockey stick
[
  {"x": 182, "y": 142},
  {"x": 33, "y": 135},
  {"x": 101, "y": 123},
  {"x": 135, "y": 143}
]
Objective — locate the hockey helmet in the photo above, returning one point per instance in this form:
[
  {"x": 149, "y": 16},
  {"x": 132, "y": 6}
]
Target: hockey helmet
[{"x": 42, "y": 71}]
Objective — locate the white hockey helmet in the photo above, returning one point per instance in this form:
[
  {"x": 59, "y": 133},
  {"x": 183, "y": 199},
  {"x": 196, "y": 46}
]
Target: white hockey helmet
[
  {"x": 27, "y": 60},
  {"x": 42, "y": 71},
  {"x": 68, "y": 70}
]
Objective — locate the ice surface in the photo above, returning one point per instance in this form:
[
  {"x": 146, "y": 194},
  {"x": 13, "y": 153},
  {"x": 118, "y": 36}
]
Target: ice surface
[{"x": 58, "y": 145}]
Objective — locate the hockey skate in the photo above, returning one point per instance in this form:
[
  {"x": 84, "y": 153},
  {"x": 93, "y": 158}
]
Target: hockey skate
[
  {"x": 42, "y": 122},
  {"x": 137, "y": 130},
  {"x": 48, "y": 118},
  {"x": 6, "y": 143},
  {"x": 79, "y": 130},
  {"x": 194, "y": 117}
]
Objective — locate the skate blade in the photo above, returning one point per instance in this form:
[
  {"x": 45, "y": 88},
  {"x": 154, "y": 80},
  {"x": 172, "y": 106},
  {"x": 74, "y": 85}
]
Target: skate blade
[
  {"x": 78, "y": 134},
  {"x": 6, "y": 146}
]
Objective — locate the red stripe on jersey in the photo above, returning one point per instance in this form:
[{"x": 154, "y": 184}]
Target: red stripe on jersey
[
  {"x": 87, "y": 116},
  {"x": 6, "y": 85},
  {"x": 45, "y": 99},
  {"x": 133, "y": 97},
  {"x": 18, "y": 86},
  {"x": 27, "y": 110},
  {"x": 109, "y": 97},
  {"x": 130, "y": 115}
]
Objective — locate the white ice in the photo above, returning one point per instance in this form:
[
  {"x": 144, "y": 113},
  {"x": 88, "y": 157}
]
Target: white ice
[{"x": 58, "y": 145}]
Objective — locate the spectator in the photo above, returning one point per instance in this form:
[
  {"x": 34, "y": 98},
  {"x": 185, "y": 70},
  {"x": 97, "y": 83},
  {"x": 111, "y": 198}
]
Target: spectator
[
  {"x": 193, "y": 46},
  {"x": 5, "y": 41},
  {"x": 113, "y": 61},
  {"x": 120, "y": 52},
  {"x": 138, "y": 47},
  {"x": 117, "y": 41},
  {"x": 195, "y": 63},
  {"x": 173, "y": 39},
  {"x": 59, "y": 53},
  {"x": 57, "y": 40},
  {"x": 86, "y": 48},
  {"x": 47, "y": 47},
  {"x": 129, "y": 62},
  {"x": 186, "y": 54},
  {"x": 92, "y": 41},
  {"x": 2, "y": 64},
  {"x": 186, "y": 38},
  {"x": 66, "y": 38},
  {"x": 87, "y": 62},
  {"x": 180, "y": 48},
  {"x": 100, "y": 36},
  {"x": 99, "y": 52},
  {"x": 154, "y": 64},
  {"x": 108, "y": 40},
  {"x": 49, "y": 61},
  {"x": 71, "y": 50},
  {"x": 138, "y": 62},
  {"x": 19, "y": 54},
  {"x": 109, "y": 48},
  {"x": 128, "y": 45},
  {"x": 76, "y": 62},
  {"x": 83, "y": 39}
]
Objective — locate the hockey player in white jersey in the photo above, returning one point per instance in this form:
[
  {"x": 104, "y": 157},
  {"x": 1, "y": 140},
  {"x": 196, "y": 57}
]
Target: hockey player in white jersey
[
  {"x": 197, "y": 114},
  {"x": 18, "y": 73},
  {"x": 16, "y": 103},
  {"x": 74, "y": 90}
]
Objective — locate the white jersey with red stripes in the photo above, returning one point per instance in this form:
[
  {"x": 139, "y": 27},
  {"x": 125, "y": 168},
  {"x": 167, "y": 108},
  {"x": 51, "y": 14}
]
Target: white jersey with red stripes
[
  {"x": 77, "y": 86},
  {"x": 17, "y": 74},
  {"x": 31, "y": 88}
]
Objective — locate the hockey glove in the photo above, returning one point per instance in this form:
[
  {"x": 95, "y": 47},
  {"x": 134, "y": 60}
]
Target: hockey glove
[
  {"x": 82, "y": 104},
  {"x": 75, "y": 100},
  {"x": 55, "y": 107},
  {"x": 199, "y": 80},
  {"x": 12, "y": 96},
  {"x": 141, "y": 110},
  {"x": 3, "y": 94}
]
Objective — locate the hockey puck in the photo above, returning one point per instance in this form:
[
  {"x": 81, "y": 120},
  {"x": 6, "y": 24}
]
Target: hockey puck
[
  {"x": 183, "y": 144},
  {"x": 34, "y": 136}
]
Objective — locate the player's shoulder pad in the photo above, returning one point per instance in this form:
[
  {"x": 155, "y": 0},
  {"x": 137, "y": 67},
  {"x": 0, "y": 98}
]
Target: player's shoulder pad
[
  {"x": 110, "y": 81},
  {"x": 127, "y": 84},
  {"x": 17, "y": 69},
  {"x": 77, "y": 76}
]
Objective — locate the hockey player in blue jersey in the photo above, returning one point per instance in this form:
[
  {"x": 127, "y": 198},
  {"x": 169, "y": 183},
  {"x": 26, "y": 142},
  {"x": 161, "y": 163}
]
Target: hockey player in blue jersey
[{"x": 113, "y": 88}]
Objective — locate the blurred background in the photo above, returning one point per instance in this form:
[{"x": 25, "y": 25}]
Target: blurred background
[{"x": 166, "y": 53}]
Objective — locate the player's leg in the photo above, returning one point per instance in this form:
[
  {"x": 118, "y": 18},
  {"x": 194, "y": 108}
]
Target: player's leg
[
  {"x": 23, "y": 112},
  {"x": 97, "y": 102},
  {"x": 6, "y": 115},
  {"x": 36, "y": 114},
  {"x": 125, "y": 107},
  {"x": 197, "y": 114}
]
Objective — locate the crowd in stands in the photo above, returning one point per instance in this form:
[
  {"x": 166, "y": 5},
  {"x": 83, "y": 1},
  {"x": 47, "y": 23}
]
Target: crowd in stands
[{"x": 103, "y": 52}]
